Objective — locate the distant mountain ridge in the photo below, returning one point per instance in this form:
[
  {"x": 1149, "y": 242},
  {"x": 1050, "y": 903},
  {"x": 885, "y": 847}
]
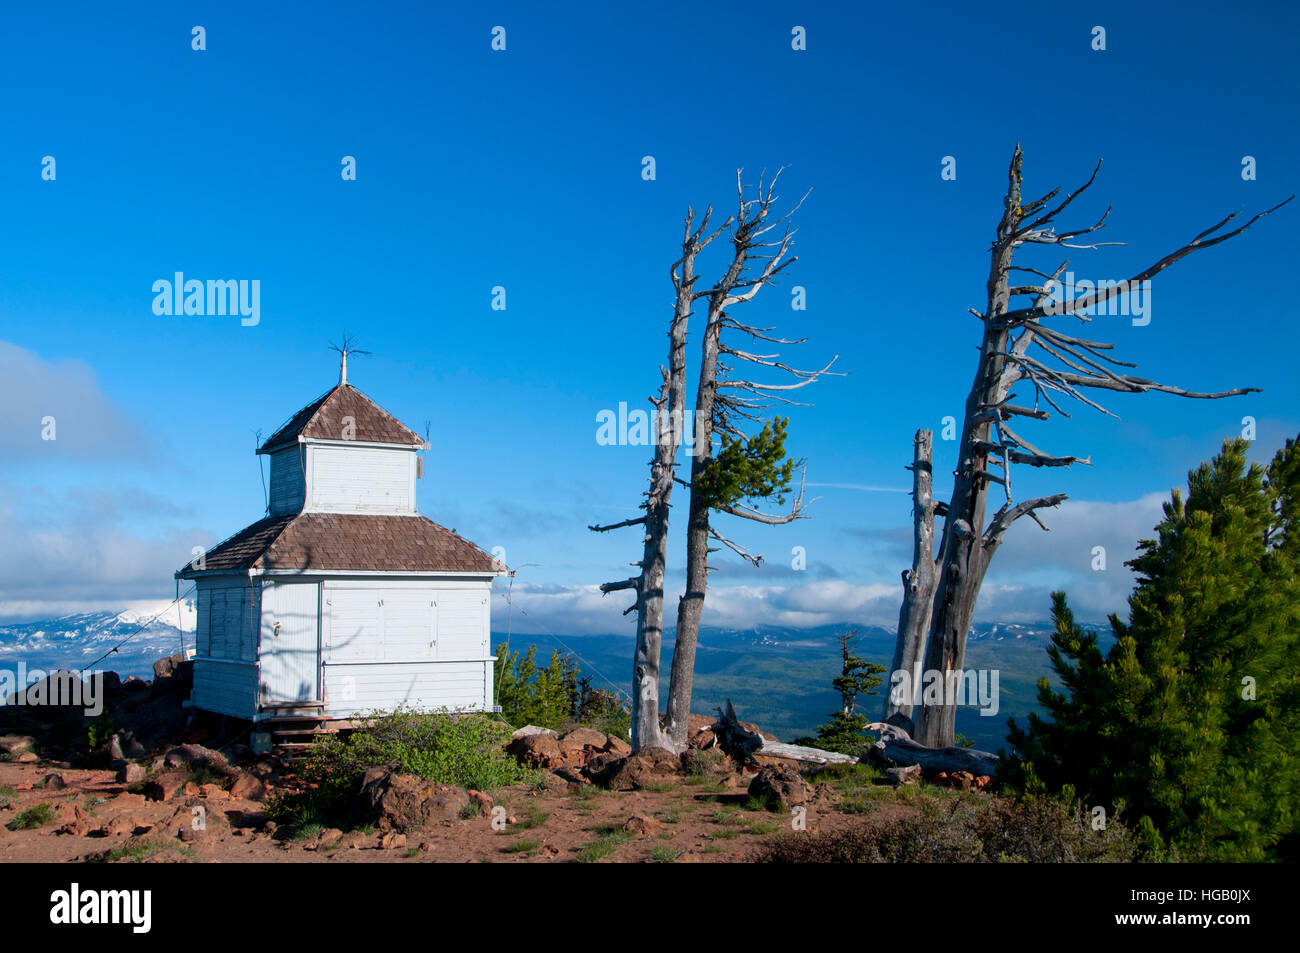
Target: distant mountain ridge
[{"x": 777, "y": 676}]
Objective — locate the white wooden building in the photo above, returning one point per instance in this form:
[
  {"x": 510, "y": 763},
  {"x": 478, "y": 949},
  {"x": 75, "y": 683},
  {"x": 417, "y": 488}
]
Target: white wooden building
[{"x": 343, "y": 599}]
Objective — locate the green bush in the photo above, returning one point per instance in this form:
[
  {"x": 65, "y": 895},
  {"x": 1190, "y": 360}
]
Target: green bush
[
  {"x": 555, "y": 696},
  {"x": 530, "y": 695},
  {"x": 100, "y": 730},
  {"x": 465, "y": 750},
  {"x": 36, "y": 816}
]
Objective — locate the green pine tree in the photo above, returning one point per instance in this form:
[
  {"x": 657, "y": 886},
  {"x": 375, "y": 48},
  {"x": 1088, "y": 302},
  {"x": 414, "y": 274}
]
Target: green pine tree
[
  {"x": 1190, "y": 724},
  {"x": 847, "y": 730},
  {"x": 753, "y": 468}
]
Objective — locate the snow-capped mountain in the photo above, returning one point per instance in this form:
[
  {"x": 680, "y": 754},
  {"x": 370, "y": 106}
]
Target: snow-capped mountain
[{"x": 140, "y": 636}]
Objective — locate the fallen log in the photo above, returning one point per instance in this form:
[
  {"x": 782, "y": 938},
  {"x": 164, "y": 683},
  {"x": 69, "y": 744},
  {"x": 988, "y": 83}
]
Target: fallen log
[
  {"x": 775, "y": 749},
  {"x": 743, "y": 745},
  {"x": 897, "y": 749}
]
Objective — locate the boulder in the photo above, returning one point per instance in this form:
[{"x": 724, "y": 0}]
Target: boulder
[
  {"x": 165, "y": 785},
  {"x": 78, "y": 825},
  {"x": 527, "y": 730},
  {"x": 130, "y": 747},
  {"x": 131, "y": 773},
  {"x": 580, "y": 738},
  {"x": 648, "y": 766},
  {"x": 166, "y": 667},
  {"x": 782, "y": 785},
  {"x": 641, "y": 825},
  {"x": 194, "y": 820},
  {"x": 403, "y": 802},
  {"x": 616, "y": 745},
  {"x": 115, "y": 827},
  {"x": 247, "y": 787},
  {"x": 961, "y": 780},
  {"x": 536, "y": 751},
  {"x": 392, "y": 840},
  {"x": 900, "y": 776},
  {"x": 196, "y": 758},
  {"x": 14, "y": 745}
]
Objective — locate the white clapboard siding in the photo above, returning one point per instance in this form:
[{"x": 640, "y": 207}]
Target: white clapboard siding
[
  {"x": 346, "y": 479},
  {"x": 463, "y": 624},
  {"x": 356, "y": 688},
  {"x": 418, "y": 643},
  {"x": 227, "y": 688},
  {"x": 290, "y": 653},
  {"x": 288, "y": 483},
  {"x": 409, "y": 623},
  {"x": 227, "y": 620},
  {"x": 353, "y": 627}
]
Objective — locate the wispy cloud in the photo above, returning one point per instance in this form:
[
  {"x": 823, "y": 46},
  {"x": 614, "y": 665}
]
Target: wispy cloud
[{"x": 40, "y": 398}]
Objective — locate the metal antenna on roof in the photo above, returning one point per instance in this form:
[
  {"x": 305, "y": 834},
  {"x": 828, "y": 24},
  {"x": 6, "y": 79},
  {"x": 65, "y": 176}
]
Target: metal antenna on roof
[
  {"x": 344, "y": 349},
  {"x": 257, "y": 443}
]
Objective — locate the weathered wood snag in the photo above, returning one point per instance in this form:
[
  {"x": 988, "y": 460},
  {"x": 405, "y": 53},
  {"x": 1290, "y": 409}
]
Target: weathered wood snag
[
  {"x": 668, "y": 426},
  {"x": 1017, "y": 349},
  {"x": 721, "y": 403}
]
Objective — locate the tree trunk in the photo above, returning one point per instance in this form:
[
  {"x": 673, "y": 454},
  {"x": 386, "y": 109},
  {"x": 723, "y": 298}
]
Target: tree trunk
[
  {"x": 967, "y": 545},
  {"x": 668, "y": 427},
  {"x": 690, "y": 607},
  {"x": 918, "y": 589},
  {"x": 963, "y": 565}
]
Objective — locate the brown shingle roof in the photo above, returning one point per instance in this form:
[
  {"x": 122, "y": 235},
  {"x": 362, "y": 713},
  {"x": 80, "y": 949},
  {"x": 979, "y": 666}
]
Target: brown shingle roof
[
  {"x": 323, "y": 419},
  {"x": 240, "y": 550},
  {"x": 338, "y": 541}
]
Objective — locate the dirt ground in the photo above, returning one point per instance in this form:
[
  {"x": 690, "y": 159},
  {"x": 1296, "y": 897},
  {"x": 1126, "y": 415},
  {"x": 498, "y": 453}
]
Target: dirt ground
[{"x": 685, "y": 819}]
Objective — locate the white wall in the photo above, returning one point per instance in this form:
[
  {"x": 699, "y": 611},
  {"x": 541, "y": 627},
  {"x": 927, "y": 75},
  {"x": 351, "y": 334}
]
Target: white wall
[
  {"x": 415, "y": 643},
  {"x": 225, "y": 667},
  {"x": 288, "y": 483},
  {"x": 228, "y": 612},
  {"x": 228, "y": 688},
  {"x": 352, "y": 479}
]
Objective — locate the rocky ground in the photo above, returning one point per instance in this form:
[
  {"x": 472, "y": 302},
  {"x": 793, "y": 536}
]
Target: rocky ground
[
  {"x": 153, "y": 791},
  {"x": 592, "y": 804}
]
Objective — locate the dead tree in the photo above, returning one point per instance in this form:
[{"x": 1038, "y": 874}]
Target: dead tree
[
  {"x": 722, "y": 404},
  {"x": 1017, "y": 349},
  {"x": 668, "y": 425},
  {"x": 918, "y": 582}
]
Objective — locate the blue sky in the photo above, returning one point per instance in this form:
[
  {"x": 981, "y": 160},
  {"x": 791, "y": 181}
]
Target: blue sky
[{"x": 522, "y": 169}]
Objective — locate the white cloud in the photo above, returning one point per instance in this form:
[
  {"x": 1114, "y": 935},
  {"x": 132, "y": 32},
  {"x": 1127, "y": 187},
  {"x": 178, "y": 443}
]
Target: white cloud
[
  {"x": 87, "y": 423},
  {"x": 74, "y": 551},
  {"x": 1029, "y": 565},
  {"x": 582, "y": 610}
]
